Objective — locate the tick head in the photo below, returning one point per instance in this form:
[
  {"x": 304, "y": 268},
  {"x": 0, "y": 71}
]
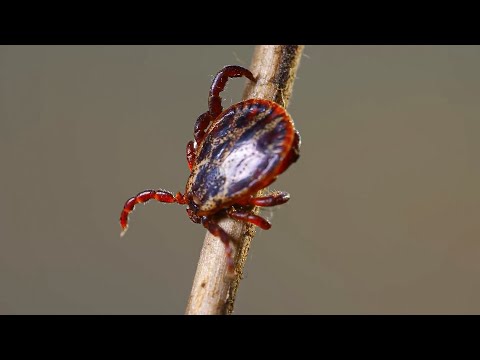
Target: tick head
[{"x": 193, "y": 202}]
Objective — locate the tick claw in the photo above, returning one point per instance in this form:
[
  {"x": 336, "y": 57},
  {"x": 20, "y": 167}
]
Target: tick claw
[{"x": 123, "y": 232}]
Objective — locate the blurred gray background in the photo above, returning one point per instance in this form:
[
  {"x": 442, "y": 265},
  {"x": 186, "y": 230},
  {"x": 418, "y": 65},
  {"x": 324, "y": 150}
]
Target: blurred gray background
[{"x": 385, "y": 208}]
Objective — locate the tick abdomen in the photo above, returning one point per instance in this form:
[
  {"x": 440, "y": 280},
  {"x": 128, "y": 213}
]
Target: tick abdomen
[{"x": 240, "y": 153}]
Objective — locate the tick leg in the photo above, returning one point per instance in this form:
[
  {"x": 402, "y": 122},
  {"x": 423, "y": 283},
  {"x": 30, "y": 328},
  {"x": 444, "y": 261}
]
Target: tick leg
[
  {"x": 277, "y": 198},
  {"x": 201, "y": 125},
  {"x": 144, "y": 196},
  {"x": 217, "y": 231},
  {"x": 214, "y": 99},
  {"x": 218, "y": 84},
  {"x": 190, "y": 154},
  {"x": 250, "y": 218}
]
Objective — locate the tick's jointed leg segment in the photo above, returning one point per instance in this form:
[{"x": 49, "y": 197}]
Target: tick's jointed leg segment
[
  {"x": 190, "y": 154},
  {"x": 277, "y": 198},
  {"x": 218, "y": 84},
  {"x": 201, "y": 125},
  {"x": 271, "y": 200},
  {"x": 247, "y": 216},
  {"x": 217, "y": 231},
  {"x": 144, "y": 196},
  {"x": 214, "y": 99}
]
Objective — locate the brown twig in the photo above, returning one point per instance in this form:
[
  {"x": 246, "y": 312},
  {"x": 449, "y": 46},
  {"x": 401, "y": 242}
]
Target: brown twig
[{"x": 213, "y": 292}]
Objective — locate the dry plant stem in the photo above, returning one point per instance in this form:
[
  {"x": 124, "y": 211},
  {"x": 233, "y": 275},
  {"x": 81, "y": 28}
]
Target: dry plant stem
[{"x": 213, "y": 291}]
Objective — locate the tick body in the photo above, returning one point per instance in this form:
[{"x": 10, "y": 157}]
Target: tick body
[{"x": 234, "y": 154}]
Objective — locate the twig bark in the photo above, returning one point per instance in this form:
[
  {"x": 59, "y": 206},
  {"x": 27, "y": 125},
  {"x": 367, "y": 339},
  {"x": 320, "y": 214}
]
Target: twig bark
[{"x": 213, "y": 291}]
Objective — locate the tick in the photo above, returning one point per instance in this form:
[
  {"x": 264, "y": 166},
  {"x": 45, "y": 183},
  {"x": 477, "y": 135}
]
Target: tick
[{"x": 235, "y": 153}]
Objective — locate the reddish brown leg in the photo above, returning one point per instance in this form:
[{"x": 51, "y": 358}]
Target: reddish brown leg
[
  {"x": 277, "y": 198},
  {"x": 144, "y": 196},
  {"x": 190, "y": 154},
  {"x": 200, "y": 126},
  {"x": 214, "y": 99},
  {"x": 246, "y": 216},
  {"x": 218, "y": 84},
  {"x": 217, "y": 231},
  {"x": 271, "y": 200}
]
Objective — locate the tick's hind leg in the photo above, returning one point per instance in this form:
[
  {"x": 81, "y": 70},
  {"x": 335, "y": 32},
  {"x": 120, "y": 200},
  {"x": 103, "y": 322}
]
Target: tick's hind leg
[
  {"x": 274, "y": 199},
  {"x": 277, "y": 198},
  {"x": 144, "y": 196},
  {"x": 217, "y": 231},
  {"x": 249, "y": 217}
]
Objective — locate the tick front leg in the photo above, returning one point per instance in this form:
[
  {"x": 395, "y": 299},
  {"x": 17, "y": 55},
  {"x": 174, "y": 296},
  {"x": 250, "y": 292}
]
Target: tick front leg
[
  {"x": 214, "y": 99},
  {"x": 217, "y": 231},
  {"x": 144, "y": 196},
  {"x": 246, "y": 216},
  {"x": 218, "y": 84}
]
